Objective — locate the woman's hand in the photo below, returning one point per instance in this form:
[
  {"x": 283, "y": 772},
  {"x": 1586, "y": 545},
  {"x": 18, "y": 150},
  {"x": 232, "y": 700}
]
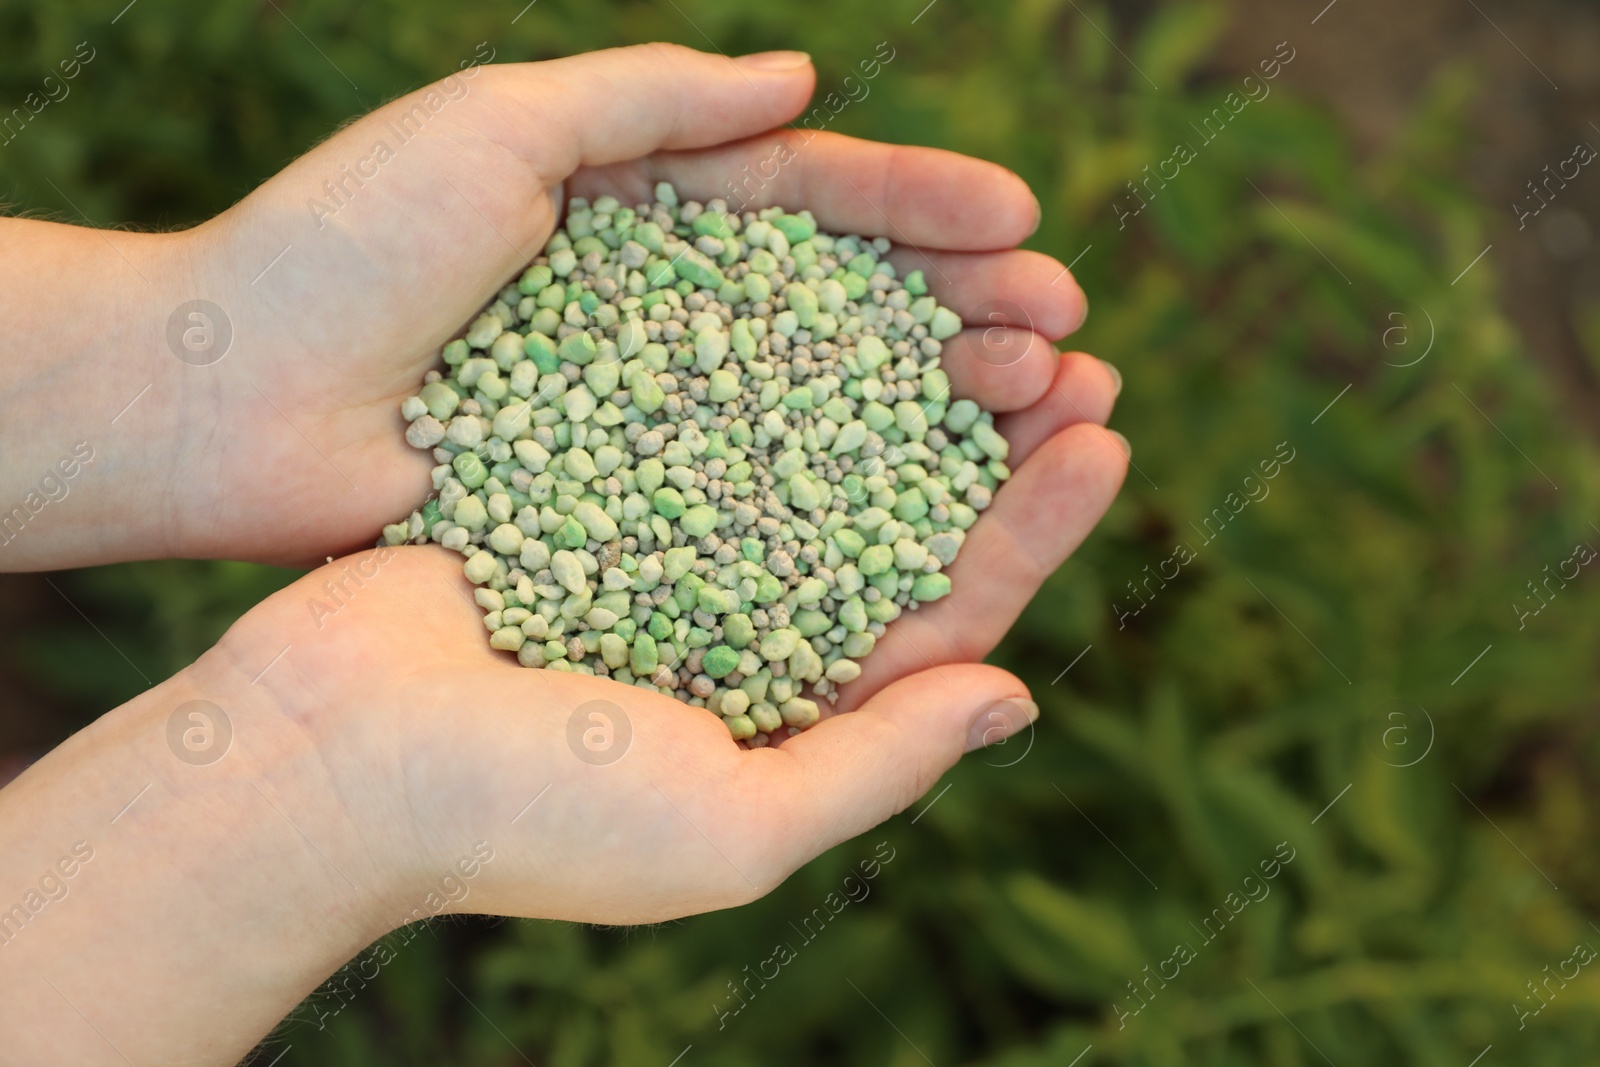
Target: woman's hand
[
  {"x": 342, "y": 276},
  {"x": 610, "y": 803},
  {"x": 264, "y": 422},
  {"x": 351, "y": 751}
]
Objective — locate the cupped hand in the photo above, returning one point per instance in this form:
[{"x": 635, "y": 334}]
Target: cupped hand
[
  {"x": 343, "y": 275},
  {"x": 609, "y": 803}
]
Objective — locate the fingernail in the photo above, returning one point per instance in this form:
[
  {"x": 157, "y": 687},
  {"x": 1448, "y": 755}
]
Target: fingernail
[
  {"x": 1127, "y": 449},
  {"x": 1038, "y": 214},
  {"x": 1000, "y": 720},
  {"x": 774, "y": 62},
  {"x": 1116, "y": 376}
]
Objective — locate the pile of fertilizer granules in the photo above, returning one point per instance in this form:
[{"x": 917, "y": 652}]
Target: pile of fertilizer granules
[{"x": 702, "y": 452}]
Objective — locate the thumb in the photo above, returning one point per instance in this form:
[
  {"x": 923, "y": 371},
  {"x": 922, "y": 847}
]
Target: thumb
[
  {"x": 852, "y": 771},
  {"x": 483, "y": 143},
  {"x": 624, "y": 103}
]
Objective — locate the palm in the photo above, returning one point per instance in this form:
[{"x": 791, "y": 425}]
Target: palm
[{"x": 472, "y": 746}]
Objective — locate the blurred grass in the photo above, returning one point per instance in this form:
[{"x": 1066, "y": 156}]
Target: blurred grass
[{"x": 1315, "y": 643}]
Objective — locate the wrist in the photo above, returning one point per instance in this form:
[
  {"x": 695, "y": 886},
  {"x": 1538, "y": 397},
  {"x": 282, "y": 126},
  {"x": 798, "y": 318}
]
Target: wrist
[
  {"x": 256, "y": 810},
  {"x": 304, "y": 781},
  {"x": 223, "y": 876},
  {"x": 90, "y": 394}
]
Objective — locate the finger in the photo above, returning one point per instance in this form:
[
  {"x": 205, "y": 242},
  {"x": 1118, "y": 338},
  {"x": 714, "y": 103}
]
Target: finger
[
  {"x": 850, "y": 772},
  {"x": 1004, "y": 360},
  {"x": 1014, "y": 288},
  {"x": 1037, "y": 520},
  {"x": 1001, "y": 368},
  {"x": 1084, "y": 390},
  {"x": 911, "y": 195},
  {"x": 623, "y": 103}
]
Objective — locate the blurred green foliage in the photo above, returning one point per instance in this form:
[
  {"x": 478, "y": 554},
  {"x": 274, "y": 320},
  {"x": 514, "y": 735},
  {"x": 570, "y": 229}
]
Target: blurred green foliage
[{"x": 1313, "y": 645}]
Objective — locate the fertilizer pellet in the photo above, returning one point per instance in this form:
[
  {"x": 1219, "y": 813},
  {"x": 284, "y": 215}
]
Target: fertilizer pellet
[{"x": 703, "y": 452}]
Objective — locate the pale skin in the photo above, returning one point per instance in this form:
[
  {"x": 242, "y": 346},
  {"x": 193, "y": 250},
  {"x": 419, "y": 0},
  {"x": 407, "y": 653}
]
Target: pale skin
[{"x": 373, "y": 748}]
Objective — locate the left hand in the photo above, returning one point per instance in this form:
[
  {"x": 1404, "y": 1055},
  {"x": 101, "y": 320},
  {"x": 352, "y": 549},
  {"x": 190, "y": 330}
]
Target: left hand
[{"x": 373, "y": 279}]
